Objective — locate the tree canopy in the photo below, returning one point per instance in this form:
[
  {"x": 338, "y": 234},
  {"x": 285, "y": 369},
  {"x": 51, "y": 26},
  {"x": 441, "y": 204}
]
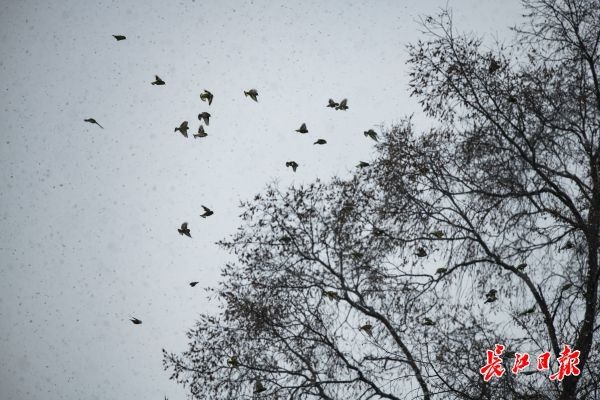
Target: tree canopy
[{"x": 379, "y": 286}]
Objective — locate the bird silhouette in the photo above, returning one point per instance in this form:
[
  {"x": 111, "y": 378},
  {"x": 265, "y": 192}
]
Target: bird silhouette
[
  {"x": 232, "y": 362},
  {"x": 356, "y": 254},
  {"x": 201, "y": 133},
  {"x": 320, "y": 141},
  {"x": 183, "y": 128},
  {"x": 332, "y": 104},
  {"x": 292, "y": 164},
  {"x": 207, "y": 212},
  {"x": 302, "y": 129},
  {"x": 363, "y": 164},
  {"x": 371, "y": 134},
  {"x": 93, "y": 121},
  {"x": 184, "y": 230},
  {"x": 207, "y": 96},
  {"x": 569, "y": 245},
  {"x": 331, "y": 295},
  {"x": 135, "y": 321},
  {"x": 491, "y": 296},
  {"x": 367, "y": 328},
  {"x": 192, "y": 284},
  {"x": 437, "y": 234},
  {"x": 158, "y": 81},
  {"x": 567, "y": 286},
  {"x": 253, "y": 93},
  {"x": 494, "y": 66},
  {"x": 119, "y": 37},
  {"x": 522, "y": 266},
  {"x": 527, "y": 312},
  {"x": 204, "y": 116},
  {"x": 343, "y": 105},
  {"x": 421, "y": 252},
  {"x": 427, "y": 322},
  {"x": 259, "y": 387},
  {"x": 441, "y": 270}
]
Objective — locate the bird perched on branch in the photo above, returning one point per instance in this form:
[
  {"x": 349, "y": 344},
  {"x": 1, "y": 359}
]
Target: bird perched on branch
[
  {"x": 367, "y": 328},
  {"x": 259, "y": 387},
  {"x": 93, "y": 121},
  {"x": 421, "y": 252},
  {"x": 491, "y": 296},
  {"x": 494, "y": 66},
  {"x": 158, "y": 81},
  {"x": 363, "y": 164},
  {"x": 252, "y": 93}
]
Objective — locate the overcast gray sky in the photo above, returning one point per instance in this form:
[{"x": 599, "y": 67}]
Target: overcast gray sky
[{"x": 89, "y": 216}]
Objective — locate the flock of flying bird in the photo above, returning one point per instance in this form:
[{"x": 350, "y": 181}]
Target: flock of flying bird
[
  {"x": 184, "y": 230},
  {"x": 204, "y": 118}
]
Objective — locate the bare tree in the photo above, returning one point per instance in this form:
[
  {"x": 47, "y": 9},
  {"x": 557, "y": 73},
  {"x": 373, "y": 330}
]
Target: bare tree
[{"x": 392, "y": 284}]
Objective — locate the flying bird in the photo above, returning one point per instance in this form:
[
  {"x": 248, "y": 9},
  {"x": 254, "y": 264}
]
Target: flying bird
[
  {"x": 207, "y": 212},
  {"x": 292, "y": 164},
  {"x": 192, "y": 284},
  {"x": 342, "y": 106},
  {"x": 135, "y": 321},
  {"x": 332, "y": 104},
  {"x": 206, "y": 96},
  {"x": 320, "y": 141},
  {"x": 158, "y": 81},
  {"x": 93, "y": 121},
  {"x": 119, "y": 37},
  {"x": 253, "y": 93},
  {"x": 371, "y": 134},
  {"x": 201, "y": 133},
  {"x": 302, "y": 129},
  {"x": 363, "y": 164},
  {"x": 183, "y": 128},
  {"x": 204, "y": 116},
  {"x": 184, "y": 230}
]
